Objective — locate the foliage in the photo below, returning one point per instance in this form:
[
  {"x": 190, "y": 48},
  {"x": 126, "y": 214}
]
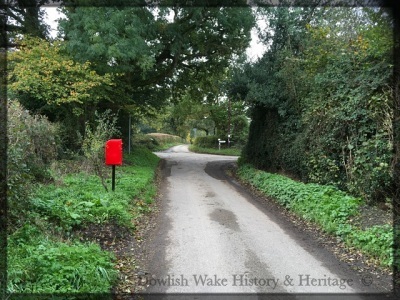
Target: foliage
[
  {"x": 31, "y": 149},
  {"x": 52, "y": 80},
  {"x": 54, "y": 85},
  {"x": 326, "y": 206},
  {"x": 78, "y": 200},
  {"x": 156, "y": 141},
  {"x": 40, "y": 265},
  {"x": 324, "y": 109},
  {"x": 25, "y": 17},
  {"x": 377, "y": 241},
  {"x": 188, "y": 113},
  {"x": 229, "y": 116},
  {"x": 146, "y": 141},
  {"x": 206, "y": 141},
  {"x": 44, "y": 256},
  {"x": 239, "y": 130},
  {"x": 165, "y": 141},
  {"x": 222, "y": 151},
  {"x": 356, "y": 139},
  {"x": 95, "y": 139},
  {"x": 196, "y": 115},
  {"x": 159, "y": 53}
]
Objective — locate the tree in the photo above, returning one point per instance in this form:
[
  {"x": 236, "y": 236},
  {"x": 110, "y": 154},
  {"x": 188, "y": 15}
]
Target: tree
[
  {"x": 56, "y": 86},
  {"x": 272, "y": 87},
  {"x": 323, "y": 109},
  {"x": 160, "y": 52},
  {"x": 24, "y": 17}
]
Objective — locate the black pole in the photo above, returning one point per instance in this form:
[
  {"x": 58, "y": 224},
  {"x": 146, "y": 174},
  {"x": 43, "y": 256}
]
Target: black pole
[{"x": 113, "y": 177}]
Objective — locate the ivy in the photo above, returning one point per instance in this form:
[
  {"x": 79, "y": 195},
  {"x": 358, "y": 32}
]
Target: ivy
[{"x": 322, "y": 101}]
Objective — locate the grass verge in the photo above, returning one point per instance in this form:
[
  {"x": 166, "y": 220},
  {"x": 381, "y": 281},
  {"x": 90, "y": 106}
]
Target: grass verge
[
  {"x": 223, "y": 151},
  {"x": 46, "y": 256},
  {"x": 331, "y": 209}
]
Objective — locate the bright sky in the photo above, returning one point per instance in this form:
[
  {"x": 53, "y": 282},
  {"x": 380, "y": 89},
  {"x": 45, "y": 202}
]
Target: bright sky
[
  {"x": 255, "y": 50},
  {"x": 52, "y": 14}
]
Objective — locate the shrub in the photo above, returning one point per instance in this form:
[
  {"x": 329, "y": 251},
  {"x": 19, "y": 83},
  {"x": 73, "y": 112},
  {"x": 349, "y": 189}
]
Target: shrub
[
  {"x": 31, "y": 149},
  {"x": 162, "y": 141},
  {"x": 206, "y": 141},
  {"x": 240, "y": 128},
  {"x": 143, "y": 140},
  {"x": 95, "y": 139}
]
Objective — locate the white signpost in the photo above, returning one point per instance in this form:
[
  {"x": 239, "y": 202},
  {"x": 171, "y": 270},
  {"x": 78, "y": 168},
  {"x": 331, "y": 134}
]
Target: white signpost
[{"x": 219, "y": 143}]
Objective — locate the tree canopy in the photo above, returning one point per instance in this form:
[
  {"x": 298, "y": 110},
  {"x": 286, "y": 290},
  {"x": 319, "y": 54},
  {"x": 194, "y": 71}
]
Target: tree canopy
[
  {"x": 52, "y": 82},
  {"x": 159, "y": 51},
  {"x": 142, "y": 58}
]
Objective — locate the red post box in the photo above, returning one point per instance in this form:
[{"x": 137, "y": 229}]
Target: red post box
[{"x": 113, "y": 152}]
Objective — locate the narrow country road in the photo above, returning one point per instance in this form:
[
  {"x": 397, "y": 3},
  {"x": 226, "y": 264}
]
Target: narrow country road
[{"x": 212, "y": 237}]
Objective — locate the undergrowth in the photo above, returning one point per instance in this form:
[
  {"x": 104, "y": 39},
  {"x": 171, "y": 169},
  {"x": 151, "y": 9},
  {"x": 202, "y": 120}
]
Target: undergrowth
[
  {"x": 326, "y": 206},
  {"x": 38, "y": 264},
  {"x": 46, "y": 256}
]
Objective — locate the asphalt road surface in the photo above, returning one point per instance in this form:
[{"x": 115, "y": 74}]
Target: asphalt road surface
[{"x": 213, "y": 237}]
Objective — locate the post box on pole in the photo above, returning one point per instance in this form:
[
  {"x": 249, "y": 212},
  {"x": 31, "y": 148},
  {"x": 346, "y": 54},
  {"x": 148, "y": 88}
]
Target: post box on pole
[{"x": 113, "y": 155}]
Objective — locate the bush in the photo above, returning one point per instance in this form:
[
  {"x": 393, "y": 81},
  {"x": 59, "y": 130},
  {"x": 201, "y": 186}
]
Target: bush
[
  {"x": 31, "y": 149},
  {"x": 95, "y": 139},
  {"x": 143, "y": 140},
  {"x": 165, "y": 141},
  {"x": 206, "y": 141},
  {"x": 240, "y": 128}
]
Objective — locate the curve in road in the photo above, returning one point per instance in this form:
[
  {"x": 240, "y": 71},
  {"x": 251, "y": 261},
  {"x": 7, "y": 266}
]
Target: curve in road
[{"x": 213, "y": 238}]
